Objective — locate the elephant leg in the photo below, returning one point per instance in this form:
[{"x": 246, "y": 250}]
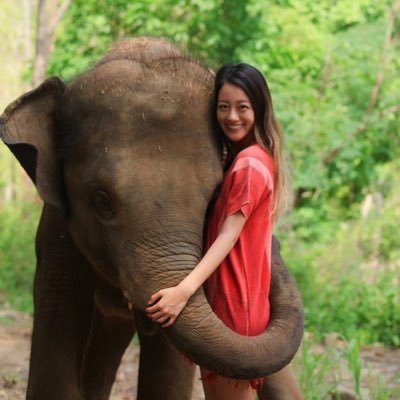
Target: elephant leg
[
  {"x": 164, "y": 373},
  {"x": 280, "y": 386},
  {"x": 63, "y": 303},
  {"x": 109, "y": 338}
]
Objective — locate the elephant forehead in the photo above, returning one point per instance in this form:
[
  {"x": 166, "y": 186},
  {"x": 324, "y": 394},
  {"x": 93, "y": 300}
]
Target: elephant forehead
[
  {"x": 133, "y": 100},
  {"x": 141, "y": 131},
  {"x": 153, "y": 161},
  {"x": 164, "y": 84}
]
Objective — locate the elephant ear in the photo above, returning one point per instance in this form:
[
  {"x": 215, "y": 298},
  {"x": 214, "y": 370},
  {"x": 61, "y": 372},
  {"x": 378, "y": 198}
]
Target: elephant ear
[{"x": 28, "y": 128}]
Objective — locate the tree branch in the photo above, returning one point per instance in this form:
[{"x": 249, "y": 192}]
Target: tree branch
[
  {"x": 390, "y": 110},
  {"x": 39, "y": 65},
  {"x": 366, "y": 117},
  {"x": 386, "y": 46},
  {"x": 45, "y": 38},
  {"x": 361, "y": 127},
  {"x": 56, "y": 20}
]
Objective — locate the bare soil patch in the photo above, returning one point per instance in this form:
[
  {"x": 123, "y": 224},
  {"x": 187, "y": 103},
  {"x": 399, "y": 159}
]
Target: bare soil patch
[{"x": 15, "y": 334}]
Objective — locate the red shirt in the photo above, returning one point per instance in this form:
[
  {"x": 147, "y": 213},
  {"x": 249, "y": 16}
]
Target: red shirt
[{"x": 238, "y": 290}]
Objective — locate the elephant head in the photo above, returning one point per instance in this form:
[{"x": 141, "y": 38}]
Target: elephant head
[{"x": 127, "y": 152}]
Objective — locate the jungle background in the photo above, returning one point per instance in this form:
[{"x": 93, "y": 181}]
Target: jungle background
[{"x": 333, "y": 70}]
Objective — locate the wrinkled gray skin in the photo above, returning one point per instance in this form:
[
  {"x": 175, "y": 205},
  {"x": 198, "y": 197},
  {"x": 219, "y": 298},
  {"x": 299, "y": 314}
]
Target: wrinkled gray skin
[{"x": 126, "y": 163}]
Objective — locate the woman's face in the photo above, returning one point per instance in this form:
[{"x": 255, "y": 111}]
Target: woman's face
[{"x": 235, "y": 113}]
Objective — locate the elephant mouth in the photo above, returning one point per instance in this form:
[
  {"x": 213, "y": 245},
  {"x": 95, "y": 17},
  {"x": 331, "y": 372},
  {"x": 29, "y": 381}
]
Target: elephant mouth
[
  {"x": 117, "y": 305},
  {"x": 112, "y": 303}
]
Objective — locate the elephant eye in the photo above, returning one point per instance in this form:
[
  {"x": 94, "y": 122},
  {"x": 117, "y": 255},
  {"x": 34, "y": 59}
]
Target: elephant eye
[{"x": 102, "y": 205}]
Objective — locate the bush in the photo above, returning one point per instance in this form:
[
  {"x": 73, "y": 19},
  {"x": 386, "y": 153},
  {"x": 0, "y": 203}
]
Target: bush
[
  {"x": 348, "y": 277},
  {"x": 18, "y": 224}
]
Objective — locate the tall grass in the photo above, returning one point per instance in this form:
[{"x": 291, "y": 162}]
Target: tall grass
[
  {"x": 326, "y": 372},
  {"x": 314, "y": 369}
]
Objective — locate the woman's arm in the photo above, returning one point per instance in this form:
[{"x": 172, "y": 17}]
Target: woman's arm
[{"x": 166, "y": 304}]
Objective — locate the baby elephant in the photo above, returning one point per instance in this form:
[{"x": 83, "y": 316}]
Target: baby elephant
[{"x": 126, "y": 162}]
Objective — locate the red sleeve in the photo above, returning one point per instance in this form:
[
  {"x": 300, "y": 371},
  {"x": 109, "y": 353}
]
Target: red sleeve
[{"x": 251, "y": 180}]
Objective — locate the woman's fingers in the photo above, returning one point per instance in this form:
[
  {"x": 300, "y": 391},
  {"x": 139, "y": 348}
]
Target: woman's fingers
[
  {"x": 158, "y": 308},
  {"x": 165, "y": 306},
  {"x": 169, "y": 323},
  {"x": 162, "y": 319},
  {"x": 159, "y": 314},
  {"x": 152, "y": 309},
  {"x": 155, "y": 297}
]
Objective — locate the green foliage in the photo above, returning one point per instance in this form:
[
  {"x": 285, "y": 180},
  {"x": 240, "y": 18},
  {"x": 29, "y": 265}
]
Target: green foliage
[
  {"x": 211, "y": 30},
  {"x": 17, "y": 231},
  {"x": 364, "y": 308},
  {"x": 348, "y": 272}
]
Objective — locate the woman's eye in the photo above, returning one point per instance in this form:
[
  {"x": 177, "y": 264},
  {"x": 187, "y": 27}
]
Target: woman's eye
[
  {"x": 222, "y": 107},
  {"x": 102, "y": 205}
]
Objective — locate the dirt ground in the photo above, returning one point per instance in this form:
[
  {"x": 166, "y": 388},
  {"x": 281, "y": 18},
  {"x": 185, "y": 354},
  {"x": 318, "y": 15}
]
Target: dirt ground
[{"x": 15, "y": 331}]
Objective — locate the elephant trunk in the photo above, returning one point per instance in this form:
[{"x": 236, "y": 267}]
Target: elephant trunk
[
  {"x": 204, "y": 338},
  {"x": 207, "y": 341}
]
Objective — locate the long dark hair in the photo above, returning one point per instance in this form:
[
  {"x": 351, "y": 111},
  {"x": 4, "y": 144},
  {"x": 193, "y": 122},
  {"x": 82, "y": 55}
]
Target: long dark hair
[{"x": 266, "y": 127}]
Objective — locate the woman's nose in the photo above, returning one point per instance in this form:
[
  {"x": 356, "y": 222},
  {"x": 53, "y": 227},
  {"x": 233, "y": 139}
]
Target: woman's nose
[{"x": 233, "y": 115}]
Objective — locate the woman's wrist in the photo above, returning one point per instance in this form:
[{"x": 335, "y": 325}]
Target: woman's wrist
[{"x": 187, "y": 287}]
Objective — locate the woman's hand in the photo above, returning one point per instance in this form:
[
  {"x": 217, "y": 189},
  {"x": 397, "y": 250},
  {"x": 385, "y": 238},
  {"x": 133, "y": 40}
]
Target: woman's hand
[{"x": 166, "y": 305}]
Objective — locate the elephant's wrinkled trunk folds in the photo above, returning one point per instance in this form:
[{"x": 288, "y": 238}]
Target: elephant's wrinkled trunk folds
[{"x": 204, "y": 338}]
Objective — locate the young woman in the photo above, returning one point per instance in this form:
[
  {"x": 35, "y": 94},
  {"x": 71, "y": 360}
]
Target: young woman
[{"x": 235, "y": 268}]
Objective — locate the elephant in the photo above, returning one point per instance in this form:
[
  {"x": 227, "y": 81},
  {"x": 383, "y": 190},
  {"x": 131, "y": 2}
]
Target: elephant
[{"x": 126, "y": 160}]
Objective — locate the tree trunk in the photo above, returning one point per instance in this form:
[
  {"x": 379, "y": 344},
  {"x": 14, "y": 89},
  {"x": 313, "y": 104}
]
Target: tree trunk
[
  {"x": 48, "y": 17},
  {"x": 39, "y": 66},
  {"x": 27, "y": 15}
]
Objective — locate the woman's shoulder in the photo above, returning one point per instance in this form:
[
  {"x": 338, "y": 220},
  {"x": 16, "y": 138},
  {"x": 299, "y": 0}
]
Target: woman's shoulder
[{"x": 257, "y": 152}]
